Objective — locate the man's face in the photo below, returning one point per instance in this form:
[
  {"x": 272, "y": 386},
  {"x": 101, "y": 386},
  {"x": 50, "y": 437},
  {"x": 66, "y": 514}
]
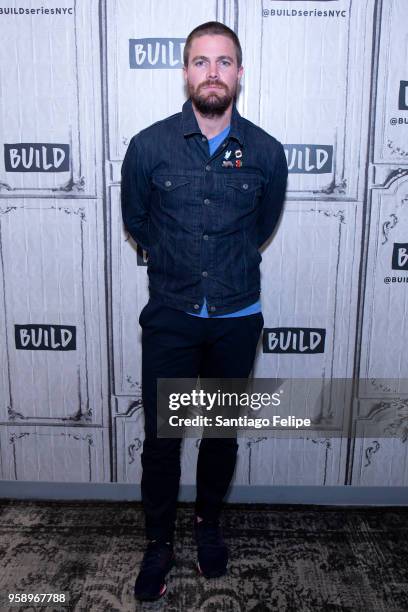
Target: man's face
[{"x": 212, "y": 74}]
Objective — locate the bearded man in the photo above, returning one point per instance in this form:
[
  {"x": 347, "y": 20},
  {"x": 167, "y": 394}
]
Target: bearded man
[{"x": 201, "y": 192}]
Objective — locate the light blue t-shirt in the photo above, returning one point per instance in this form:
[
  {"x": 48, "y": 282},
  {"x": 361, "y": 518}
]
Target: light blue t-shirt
[{"x": 214, "y": 143}]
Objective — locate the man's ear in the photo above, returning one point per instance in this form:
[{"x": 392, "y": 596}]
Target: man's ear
[
  {"x": 240, "y": 72},
  {"x": 185, "y": 74}
]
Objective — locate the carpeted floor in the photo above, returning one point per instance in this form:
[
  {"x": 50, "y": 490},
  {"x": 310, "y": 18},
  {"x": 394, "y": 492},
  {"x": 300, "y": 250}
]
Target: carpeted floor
[{"x": 284, "y": 558}]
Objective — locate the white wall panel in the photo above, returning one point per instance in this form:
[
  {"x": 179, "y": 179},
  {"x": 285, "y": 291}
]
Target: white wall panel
[
  {"x": 308, "y": 83},
  {"x": 129, "y": 295},
  {"x": 295, "y": 461},
  {"x": 51, "y": 270},
  {"x": 309, "y": 279},
  {"x": 189, "y": 455},
  {"x": 384, "y": 359},
  {"x": 128, "y": 428},
  {"x": 379, "y": 461},
  {"x": 55, "y": 454},
  {"x": 391, "y": 127},
  {"x": 50, "y": 94}
]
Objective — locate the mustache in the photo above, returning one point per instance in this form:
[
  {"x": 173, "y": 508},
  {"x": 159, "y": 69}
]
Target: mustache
[{"x": 218, "y": 84}]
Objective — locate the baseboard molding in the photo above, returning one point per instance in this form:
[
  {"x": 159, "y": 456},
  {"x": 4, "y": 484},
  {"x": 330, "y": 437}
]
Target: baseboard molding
[{"x": 342, "y": 495}]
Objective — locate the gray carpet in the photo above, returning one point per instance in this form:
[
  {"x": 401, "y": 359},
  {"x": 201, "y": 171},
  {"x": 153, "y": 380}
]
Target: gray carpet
[{"x": 285, "y": 558}]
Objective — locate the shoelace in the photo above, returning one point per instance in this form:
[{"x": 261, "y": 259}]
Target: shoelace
[
  {"x": 208, "y": 534},
  {"x": 156, "y": 556}
]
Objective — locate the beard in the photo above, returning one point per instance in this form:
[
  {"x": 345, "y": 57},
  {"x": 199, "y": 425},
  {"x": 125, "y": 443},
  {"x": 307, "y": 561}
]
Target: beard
[{"x": 211, "y": 103}]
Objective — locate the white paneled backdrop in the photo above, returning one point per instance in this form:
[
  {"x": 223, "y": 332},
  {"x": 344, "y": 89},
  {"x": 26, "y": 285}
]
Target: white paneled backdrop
[{"x": 329, "y": 79}]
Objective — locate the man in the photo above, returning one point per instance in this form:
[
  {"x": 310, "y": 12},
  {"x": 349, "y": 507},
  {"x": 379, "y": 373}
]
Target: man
[{"x": 201, "y": 192}]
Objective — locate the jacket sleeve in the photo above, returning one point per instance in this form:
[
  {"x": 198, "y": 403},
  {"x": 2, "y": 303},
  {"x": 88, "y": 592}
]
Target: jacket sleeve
[
  {"x": 135, "y": 194},
  {"x": 272, "y": 201}
]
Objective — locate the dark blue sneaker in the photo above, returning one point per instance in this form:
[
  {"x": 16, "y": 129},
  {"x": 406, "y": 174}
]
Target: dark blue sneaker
[
  {"x": 157, "y": 561},
  {"x": 211, "y": 549}
]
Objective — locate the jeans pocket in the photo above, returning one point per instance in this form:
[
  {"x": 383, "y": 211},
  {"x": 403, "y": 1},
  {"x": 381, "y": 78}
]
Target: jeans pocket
[
  {"x": 143, "y": 314},
  {"x": 152, "y": 308},
  {"x": 256, "y": 322}
]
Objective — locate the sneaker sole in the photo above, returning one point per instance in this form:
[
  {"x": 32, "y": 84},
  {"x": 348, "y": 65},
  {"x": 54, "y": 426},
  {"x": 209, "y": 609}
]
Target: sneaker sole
[
  {"x": 162, "y": 592},
  {"x": 159, "y": 596},
  {"x": 211, "y": 574}
]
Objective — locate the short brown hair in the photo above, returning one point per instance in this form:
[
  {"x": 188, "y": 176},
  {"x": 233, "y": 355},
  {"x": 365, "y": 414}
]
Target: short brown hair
[{"x": 212, "y": 28}]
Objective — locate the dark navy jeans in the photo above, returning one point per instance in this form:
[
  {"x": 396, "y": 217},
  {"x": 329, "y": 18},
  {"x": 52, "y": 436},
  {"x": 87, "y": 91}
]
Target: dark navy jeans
[{"x": 178, "y": 345}]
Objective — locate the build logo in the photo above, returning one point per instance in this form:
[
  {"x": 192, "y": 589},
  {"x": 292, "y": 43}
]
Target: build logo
[
  {"x": 309, "y": 158},
  {"x": 400, "y": 256},
  {"x": 148, "y": 53},
  {"x": 403, "y": 96},
  {"x": 39, "y": 337},
  {"x": 38, "y": 157},
  {"x": 293, "y": 340}
]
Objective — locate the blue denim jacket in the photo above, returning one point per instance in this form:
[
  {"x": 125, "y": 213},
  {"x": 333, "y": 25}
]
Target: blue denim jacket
[{"x": 202, "y": 218}]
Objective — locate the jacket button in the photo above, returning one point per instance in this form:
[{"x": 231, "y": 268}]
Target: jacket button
[
  {"x": 212, "y": 308},
  {"x": 245, "y": 186},
  {"x": 206, "y": 201},
  {"x": 196, "y": 306},
  {"x": 205, "y": 273},
  {"x": 205, "y": 237},
  {"x": 208, "y": 168},
  {"x": 167, "y": 184}
]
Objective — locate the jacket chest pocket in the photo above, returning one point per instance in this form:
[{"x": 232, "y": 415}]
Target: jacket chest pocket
[
  {"x": 243, "y": 191},
  {"x": 174, "y": 190}
]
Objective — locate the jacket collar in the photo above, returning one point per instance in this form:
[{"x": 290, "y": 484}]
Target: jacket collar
[{"x": 190, "y": 125}]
